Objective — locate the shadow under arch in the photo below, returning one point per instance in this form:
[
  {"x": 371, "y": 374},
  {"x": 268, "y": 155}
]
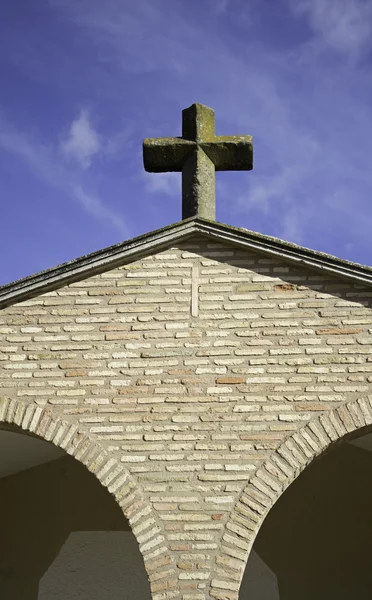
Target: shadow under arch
[
  {"x": 272, "y": 478},
  {"x": 21, "y": 417}
]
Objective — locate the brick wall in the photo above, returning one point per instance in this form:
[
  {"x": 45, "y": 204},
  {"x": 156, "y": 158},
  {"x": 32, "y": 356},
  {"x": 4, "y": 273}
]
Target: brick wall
[{"x": 196, "y": 384}]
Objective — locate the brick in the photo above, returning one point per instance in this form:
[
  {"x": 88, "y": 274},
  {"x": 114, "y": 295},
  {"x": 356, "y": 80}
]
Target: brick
[
  {"x": 284, "y": 287},
  {"x": 186, "y": 408},
  {"x": 229, "y": 380},
  {"x": 339, "y": 331}
]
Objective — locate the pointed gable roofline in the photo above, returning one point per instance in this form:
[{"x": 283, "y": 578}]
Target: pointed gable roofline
[{"x": 143, "y": 245}]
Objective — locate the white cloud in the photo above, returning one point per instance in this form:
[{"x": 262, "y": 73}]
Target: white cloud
[
  {"x": 220, "y": 6},
  {"x": 82, "y": 141},
  {"x": 94, "y": 206},
  {"x": 163, "y": 183},
  {"x": 308, "y": 113},
  {"x": 43, "y": 162},
  {"x": 116, "y": 147},
  {"x": 241, "y": 92},
  {"x": 344, "y": 25}
]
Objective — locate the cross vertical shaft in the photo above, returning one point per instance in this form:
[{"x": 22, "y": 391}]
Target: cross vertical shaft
[
  {"x": 198, "y": 187},
  {"x": 198, "y": 154},
  {"x": 198, "y": 172}
]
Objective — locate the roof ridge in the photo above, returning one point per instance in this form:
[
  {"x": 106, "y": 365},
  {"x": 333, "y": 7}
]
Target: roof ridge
[{"x": 101, "y": 260}]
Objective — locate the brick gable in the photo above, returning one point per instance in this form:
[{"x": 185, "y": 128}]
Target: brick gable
[{"x": 190, "y": 368}]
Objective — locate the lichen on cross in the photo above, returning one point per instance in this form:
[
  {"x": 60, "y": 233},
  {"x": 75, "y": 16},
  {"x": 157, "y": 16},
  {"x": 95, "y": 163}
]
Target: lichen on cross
[{"x": 198, "y": 154}]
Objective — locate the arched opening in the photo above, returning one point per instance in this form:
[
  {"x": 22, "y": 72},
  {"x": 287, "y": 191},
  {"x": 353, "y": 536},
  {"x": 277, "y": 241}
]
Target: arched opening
[
  {"x": 315, "y": 541},
  {"x": 63, "y": 535}
]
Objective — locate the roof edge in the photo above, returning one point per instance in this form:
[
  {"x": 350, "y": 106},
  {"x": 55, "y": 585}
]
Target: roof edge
[
  {"x": 121, "y": 253},
  {"x": 289, "y": 251},
  {"x": 91, "y": 264}
]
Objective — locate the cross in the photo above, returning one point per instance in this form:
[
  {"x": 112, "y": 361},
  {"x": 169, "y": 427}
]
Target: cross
[{"x": 198, "y": 154}]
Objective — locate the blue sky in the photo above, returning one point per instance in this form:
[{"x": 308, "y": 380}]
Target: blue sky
[{"x": 84, "y": 81}]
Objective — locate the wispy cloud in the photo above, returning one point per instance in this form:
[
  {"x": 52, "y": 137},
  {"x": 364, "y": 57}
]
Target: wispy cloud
[
  {"x": 94, "y": 206},
  {"x": 42, "y": 160},
  {"x": 344, "y": 25},
  {"x": 292, "y": 77},
  {"x": 296, "y": 134},
  {"x": 163, "y": 183},
  {"x": 119, "y": 144},
  {"x": 82, "y": 142},
  {"x": 220, "y": 6}
]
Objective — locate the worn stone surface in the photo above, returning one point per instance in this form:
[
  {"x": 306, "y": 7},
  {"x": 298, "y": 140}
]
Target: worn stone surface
[
  {"x": 196, "y": 383},
  {"x": 198, "y": 154}
]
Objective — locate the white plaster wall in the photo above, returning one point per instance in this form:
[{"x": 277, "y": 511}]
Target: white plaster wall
[
  {"x": 106, "y": 565},
  {"x": 99, "y": 565},
  {"x": 19, "y": 452},
  {"x": 259, "y": 582}
]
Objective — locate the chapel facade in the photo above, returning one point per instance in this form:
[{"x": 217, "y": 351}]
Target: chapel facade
[{"x": 194, "y": 373}]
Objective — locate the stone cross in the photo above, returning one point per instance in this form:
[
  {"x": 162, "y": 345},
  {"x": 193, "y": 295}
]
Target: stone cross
[{"x": 198, "y": 154}]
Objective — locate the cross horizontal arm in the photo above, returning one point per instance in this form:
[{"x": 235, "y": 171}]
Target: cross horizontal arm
[
  {"x": 230, "y": 153},
  {"x": 161, "y": 155}
]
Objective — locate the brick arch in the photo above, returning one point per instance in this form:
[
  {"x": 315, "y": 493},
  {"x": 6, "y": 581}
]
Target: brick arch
[
  {"x": 109, "y": 471},
  {"x": 272, "y": 478}
]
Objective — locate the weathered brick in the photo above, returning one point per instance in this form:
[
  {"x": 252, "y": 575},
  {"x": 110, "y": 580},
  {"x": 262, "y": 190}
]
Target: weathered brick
[{"x": 190, "y": 408}]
